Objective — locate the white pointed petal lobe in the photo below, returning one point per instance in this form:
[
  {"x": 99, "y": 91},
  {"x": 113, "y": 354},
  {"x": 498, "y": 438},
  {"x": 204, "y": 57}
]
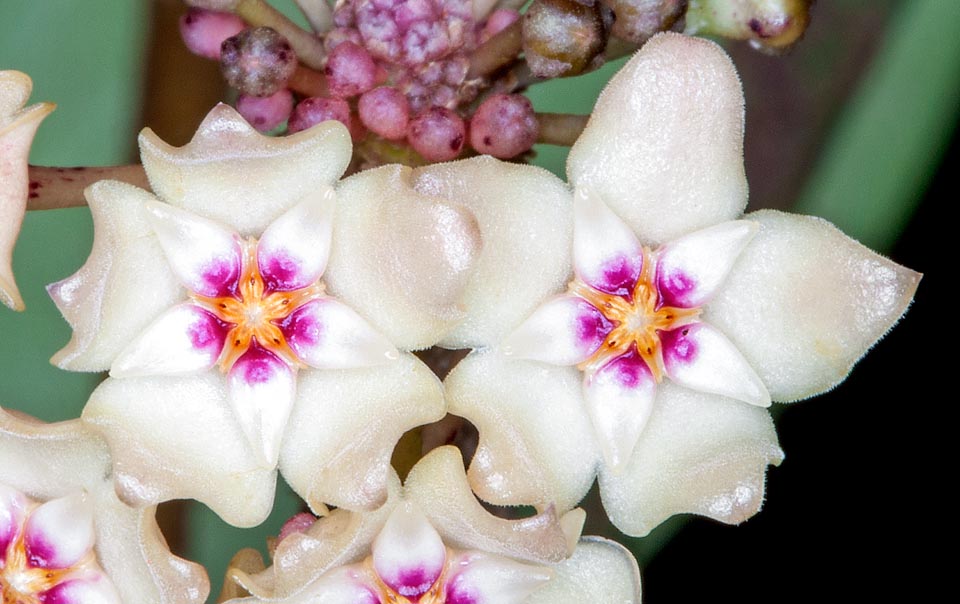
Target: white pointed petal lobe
[
  {"x": 60, "y": 532},
  {"x": 123, "y": 286},
  {"x": 204, "y": 255},
  {"x": 408, "y": 554},
  {"x": 664, "y": 144},
  {"x": 566, "y": 330},
  {"x": 691, "y": 269},
  {"x": 91, "y": 588},
  {"x": 261, "y": 388},
  {"x": 804, "y": 302},
  {"x": 619, "y": 398},
  {"x": 294, "y": 249},
  {"x": 12, "y": 507},
  {"x": 699, "y": 357},
  {"x": 598, "y": 571},
  {"x": 699, "y": 453},
  {"x": 606, "y": 254},
  {"x": 485, "y": 579},
  {"x": 327, "y": 334},
  {"x": 185, "y": 339},
  {"x": 525, "y": 226}
]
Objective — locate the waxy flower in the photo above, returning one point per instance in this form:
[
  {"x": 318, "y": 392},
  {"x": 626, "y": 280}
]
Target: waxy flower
[
  {"x": 679, "y": 322},
  {"x": 433, "y": 543},
  {"x": 64, "y": 535},
  {"x": 251, "y": 314},
  {"x": 18, "y": 124}
]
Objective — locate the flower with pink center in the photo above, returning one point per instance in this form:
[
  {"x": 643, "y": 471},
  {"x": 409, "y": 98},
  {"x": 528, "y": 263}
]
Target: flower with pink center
[
  {"x": 421, "y": 549},
  {"x": 632, "y": 326},
  {"x": 252, "y": 314}
]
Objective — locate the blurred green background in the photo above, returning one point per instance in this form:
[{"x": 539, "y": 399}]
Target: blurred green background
[{"x": 852, "y": 125}]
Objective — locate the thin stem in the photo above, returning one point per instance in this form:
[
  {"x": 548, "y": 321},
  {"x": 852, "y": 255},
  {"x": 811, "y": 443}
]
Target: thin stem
[
  {"x": 496, "y": 52},
  {"x": 510, "y": 4},
  {"x": 308, "y": 47},
  {"x": 560, "y": 128},
  {"x": 308, "y": 82},
  {"x": 54, "y": 188},
  {"x": 318, "y": 14}
]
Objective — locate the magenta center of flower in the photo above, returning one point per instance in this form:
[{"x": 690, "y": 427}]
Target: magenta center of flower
[
  {"x": 255, "y": 311},
  {"x": 638, "y": 316}
]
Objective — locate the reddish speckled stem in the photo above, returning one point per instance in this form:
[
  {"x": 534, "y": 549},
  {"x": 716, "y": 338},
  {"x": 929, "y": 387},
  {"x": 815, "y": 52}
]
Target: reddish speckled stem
[{"x": 53, "y": 188}]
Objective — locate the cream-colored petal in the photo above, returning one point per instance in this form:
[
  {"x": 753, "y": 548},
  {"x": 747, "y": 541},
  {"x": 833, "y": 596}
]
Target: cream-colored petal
[
  {"x": 699, "y": 453},
  {"x": 400, "y": 257},
  {"x": 233, "y": 174},
  {"x": 345, "y": 424},
  {"x": 176, "y": 438},
  {"x": 537, "y": 445},
  {"x": 664, "y": 145},
  {"x": 123, "y": 286},
  {"x": 804, "y": 302},
  {"x": 599, "y": 571},
  {"x": 525, "y": 219},
  {"x": 17, "y": 128},
  {"x": 47, "y": 461}
]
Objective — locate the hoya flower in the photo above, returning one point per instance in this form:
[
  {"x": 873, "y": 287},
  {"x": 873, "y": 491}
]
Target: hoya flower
[
  {"x": 252, "y": 315},
  {"x": 18, "y": 124},
  {"x": 641, "y": 324},
  {"x": 64, "y": 534},
  {"x": 433, "y": 543}
]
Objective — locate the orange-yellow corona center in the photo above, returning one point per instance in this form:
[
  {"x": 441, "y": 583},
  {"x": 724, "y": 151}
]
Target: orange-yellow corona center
[
  {"x": 22, "y": 583},
  {"x": 637, "y": 321},
  {"x": 254, "y": 313}
]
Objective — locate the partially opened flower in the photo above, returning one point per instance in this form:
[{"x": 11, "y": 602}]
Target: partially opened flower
[
  {"x": 18, "y": 124},
  {"x": 679, "y": 323},
  {"x": 251, "y": 314},
  {"x": 64, "y": 535},
  {"x": 433, "y": 543}
]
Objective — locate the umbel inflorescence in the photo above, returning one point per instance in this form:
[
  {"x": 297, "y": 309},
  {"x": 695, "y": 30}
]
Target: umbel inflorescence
[{"x": 257, "y": 312}]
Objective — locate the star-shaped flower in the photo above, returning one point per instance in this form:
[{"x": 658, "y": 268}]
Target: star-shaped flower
[
  {"x": 679, "y": 322},
  {"x": 18, "y": 124},
  {"x": 64, "y": 535},
  {"x": 251, "y": 314},
  {"x": 429, "y": 549}
]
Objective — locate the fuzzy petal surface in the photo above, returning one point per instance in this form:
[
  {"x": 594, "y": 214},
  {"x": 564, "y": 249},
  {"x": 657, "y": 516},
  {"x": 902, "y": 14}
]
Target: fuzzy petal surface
[
  {"x": 231, "y": 173},
  {"x": 664, "y": 145},
  {"x": 598, "y": 571},
  {"x": 699, "y": 453},
  {"x": 804, "y": 302},
  {"x": 524, "y": 215}
]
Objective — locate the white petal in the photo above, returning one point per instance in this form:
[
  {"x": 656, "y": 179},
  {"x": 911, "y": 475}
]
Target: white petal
[
  {"x": 408, "y": 554},
  {"x": 92, "y": 588},
  {"x": 262, "y": 389},
  {"x": 60, "y": 532},
  {"x": 12, "y": 507},
  {"x": 17, "y": 128},
  {"x": 691, "y": 269},
  {"x": 804, "y": 302},
  {"x": 480, "y": 578},
  {"x": 401, "y": 258},
  {"x": 598, "y": 571},
  {"x": 233, "y": 174},
  {"x": 606, "y": 253},
  {"x": 699, "y": 357},
  {"x": 293, "y": 251},
  {"x": 566, "y": 330},
  {"x": 329, "y": 335},
  {"x": 204, "y": 255},
  {"x": 699, "y": 453},
  {"x": 536, "y": 443},
  {"x": 124, "y": 285},
  {"x": 526, "y": 228},
  {"x": 343, "y": 585},
  {"x": 185, "y": 339},
  {"x": 178, "y": 438},
  {"x": 619, "y": 398},
  {"x": 664, "y": 145},
  {"x": 344, "y": 427}
]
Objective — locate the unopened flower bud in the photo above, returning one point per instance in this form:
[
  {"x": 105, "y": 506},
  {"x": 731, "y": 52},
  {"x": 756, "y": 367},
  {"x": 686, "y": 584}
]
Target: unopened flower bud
[
  {"x": 771, "y": 25},
  {"x": 266, "y": 112},
  {"x": 385, "y": 111},
  {"x": 504, "y": 126},
  {"x": 350, "y": 70},
  {"x": 498, "y": 21},
  {"x": 437, "y": 134},
  {"x": 257, "y": 61},
  {"x": 310, "y": 112},
  {"x": 562, "y": 37},
  {"x": 203, "y": 31},
  {"x": 637, "y": 20}
]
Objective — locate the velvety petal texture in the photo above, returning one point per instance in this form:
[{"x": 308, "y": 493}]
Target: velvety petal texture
[
  {"x": 18, "y": 124},
  {"x": 66, "y": 470}
]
